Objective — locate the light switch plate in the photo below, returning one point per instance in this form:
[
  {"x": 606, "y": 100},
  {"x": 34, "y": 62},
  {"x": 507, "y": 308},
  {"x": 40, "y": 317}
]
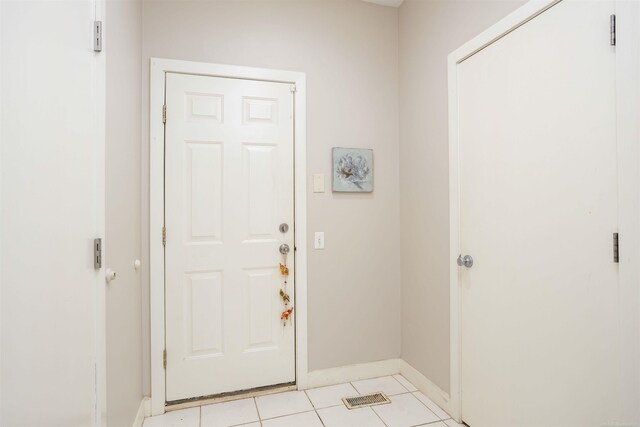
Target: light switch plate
[
  {"x": 318, "y": 240},
  {"x": 318, "y": 183}
]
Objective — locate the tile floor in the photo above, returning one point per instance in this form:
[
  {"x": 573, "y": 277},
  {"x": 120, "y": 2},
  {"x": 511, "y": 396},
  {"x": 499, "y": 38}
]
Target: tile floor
[{"x": 317, "y": 407}]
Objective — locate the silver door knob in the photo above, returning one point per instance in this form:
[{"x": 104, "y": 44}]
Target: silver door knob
[
  {"x": 284, "y": 249},
  {"x": 466, "y": 261}
]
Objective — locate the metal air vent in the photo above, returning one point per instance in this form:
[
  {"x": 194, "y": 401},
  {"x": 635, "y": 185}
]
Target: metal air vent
[{"x": 366, "y": 400}]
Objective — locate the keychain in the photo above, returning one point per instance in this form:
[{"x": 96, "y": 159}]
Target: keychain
[{"x": 284, "y": 296}]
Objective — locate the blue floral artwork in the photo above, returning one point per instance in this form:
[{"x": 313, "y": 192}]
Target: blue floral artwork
[{"x": 353, "y": 170}]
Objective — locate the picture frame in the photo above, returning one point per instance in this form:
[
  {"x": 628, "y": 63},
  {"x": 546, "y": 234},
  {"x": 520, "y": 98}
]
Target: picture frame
[{"x": 352, "y": 170}]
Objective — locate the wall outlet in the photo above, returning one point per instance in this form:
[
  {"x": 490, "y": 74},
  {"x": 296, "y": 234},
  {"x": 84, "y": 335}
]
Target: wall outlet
[{"x": 318, "y": 240}]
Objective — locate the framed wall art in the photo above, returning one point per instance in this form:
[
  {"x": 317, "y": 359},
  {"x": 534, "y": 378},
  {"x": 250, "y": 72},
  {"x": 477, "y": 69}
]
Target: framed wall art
[{"x": 352, "y": 170}]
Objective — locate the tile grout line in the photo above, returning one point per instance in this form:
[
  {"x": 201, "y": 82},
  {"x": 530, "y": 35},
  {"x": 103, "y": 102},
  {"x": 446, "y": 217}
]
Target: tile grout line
[
  {"x": 402, "y": 385},
  {"x": 431, "y": 410},
  {"x": 431, "y": 423},
  {"x": 428, "y": 409},
  {"x": 255, "y": 402},
  {"x": 316, "y": 409},
  {"x": 372, "y": 410},
  {"x": 379, "y": 417},
  {"x": 286, "y": 415},
  {"x": 312, "y": 404},
  {"x": 384, "y": 376},
  {"x": 424, "y": 404},
  {"x": 319, "y": 417},
  {"x": 403, "y": 393},
  {"x": 355, "y": 388},
  {"x": 428, "y": 424},
  {"x": 418, "y": 391}
]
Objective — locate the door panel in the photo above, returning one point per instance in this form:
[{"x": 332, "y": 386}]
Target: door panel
[
  {"x": 229, "y": 185},
  {"x": 538, "y": 206}
]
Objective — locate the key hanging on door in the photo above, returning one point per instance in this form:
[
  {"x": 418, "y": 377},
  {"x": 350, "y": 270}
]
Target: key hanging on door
[{"x": 284, "y": 271}]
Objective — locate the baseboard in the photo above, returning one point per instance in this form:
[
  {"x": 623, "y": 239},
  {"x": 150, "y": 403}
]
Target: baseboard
[
  {"x": 345, "y": 374},
  {"x": 144, "y": 410},
  {"x": 432, "y": 391}
]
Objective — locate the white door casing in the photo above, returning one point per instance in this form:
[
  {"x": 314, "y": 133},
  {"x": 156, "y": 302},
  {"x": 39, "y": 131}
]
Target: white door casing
[
  {"x": 534, "y": 160},
  {"x": 158, "y": 70},
  {"x": 228, "y": 187}
]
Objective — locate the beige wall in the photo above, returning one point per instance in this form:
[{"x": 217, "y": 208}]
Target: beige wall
[
  {"x": 123, "y": 40},
  {"x": 348, "y": 49},
  {"x": 429, "y": 31}
]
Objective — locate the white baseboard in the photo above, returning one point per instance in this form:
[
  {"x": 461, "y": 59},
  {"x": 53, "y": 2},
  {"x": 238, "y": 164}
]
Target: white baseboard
[
  {"x": 345, "y": 374},
  {"x": 144, "y": 410},
  {"x": 432, "y": 391}
]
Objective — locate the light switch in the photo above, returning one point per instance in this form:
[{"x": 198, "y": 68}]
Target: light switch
[
  {"x": 318, "y": 183},
  {"x": 318, "y": 240}
]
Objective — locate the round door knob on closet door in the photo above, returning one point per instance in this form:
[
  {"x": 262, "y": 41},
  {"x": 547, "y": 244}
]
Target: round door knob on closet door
[
  {"x": 110, "y": 275},
  {"x": 466, "y": 261},
  {"x": 284, "y": 249}
]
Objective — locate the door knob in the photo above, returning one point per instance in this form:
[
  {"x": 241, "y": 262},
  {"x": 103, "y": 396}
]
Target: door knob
[
  {"x": 466, "y": 261},
  {"x": 284, "y": 249},
  {"x": 110, "y": 275}
]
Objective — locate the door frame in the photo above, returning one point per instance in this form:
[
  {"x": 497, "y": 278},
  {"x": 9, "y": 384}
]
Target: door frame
[
  {"x": 628, "y": 131},
  {"x": 158, "y": 69}
]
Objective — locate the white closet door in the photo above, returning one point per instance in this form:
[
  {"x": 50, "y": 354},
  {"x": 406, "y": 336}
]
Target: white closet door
[
  {"x": 538, "y": 192},
  {"x": 52, "y": 195}
]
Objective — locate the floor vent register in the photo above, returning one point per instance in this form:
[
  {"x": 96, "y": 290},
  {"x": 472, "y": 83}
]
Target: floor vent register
[{"x": 366, "y": 400}]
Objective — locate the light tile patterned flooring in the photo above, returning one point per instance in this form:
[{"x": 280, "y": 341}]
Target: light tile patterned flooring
[{"x": 317, "y": 407}]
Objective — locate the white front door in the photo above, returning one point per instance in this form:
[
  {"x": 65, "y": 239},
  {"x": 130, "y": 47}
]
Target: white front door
[
  {"x": 229, "y": 186},
  {"x": 540, "y": 337}
]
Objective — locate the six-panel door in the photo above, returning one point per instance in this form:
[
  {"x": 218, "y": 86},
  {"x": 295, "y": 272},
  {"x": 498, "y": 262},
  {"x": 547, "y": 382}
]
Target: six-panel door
[{"x": 228, "y": 187}]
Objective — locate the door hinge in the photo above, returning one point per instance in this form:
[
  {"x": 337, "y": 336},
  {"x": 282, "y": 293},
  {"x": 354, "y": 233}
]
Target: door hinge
[
  {"x": 164, "y": 114},
  {"x": 612, "y": 29},
  {"x": 164, "y": 359},
  {"x": 97, "y": 36},
  {"x": 616, "y": 248},
  {"x": 164, "y": 236},
  {"x": 293, "y": 88},
  {"x": 97, "y": 254}
]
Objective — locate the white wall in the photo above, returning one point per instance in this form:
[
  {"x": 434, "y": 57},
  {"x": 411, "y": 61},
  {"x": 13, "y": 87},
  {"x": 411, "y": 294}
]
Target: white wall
[
  {"x": 349, "y": 51},
  {"x": 429, "y": 31},
  {"x": 52, "y": 201},
  {"x": 123, "y": 43}
]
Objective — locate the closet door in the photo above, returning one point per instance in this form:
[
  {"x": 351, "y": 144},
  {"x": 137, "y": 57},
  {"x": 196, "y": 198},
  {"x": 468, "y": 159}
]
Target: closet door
[
  {"x": 52, "y": 163},
  {"x": 540, "y": 337}
]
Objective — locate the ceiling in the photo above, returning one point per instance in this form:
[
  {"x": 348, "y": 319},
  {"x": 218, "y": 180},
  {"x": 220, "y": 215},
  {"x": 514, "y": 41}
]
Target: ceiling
[{"x": 392, "y": 3}]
